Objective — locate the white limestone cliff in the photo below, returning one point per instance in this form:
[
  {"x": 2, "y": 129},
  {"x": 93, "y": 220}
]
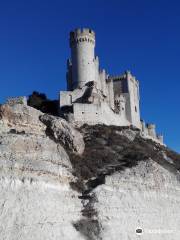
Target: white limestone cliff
[{"x": 95, "y": 182}]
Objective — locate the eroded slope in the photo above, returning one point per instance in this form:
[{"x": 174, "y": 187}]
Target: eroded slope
[{"x": 96, "y": 182}]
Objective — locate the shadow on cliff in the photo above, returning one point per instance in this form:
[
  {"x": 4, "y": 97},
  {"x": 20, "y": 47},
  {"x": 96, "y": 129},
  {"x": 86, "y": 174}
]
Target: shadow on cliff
[{"x": 110, "y": 149}]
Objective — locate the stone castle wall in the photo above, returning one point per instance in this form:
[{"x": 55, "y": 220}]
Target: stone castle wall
[{"x": 95, "y": 97}]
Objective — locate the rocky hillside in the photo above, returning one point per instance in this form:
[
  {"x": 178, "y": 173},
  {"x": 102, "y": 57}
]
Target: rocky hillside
[{"x": 93, "y": 182}]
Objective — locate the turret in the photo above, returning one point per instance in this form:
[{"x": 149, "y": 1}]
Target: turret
[
  {"x": 143, "y": 127},
  {"x": 132, "y": 90},
  {"x": 151, "y": 130},
  {"x": 82, "y": 43},
  {"x": 160, "y": 137}
]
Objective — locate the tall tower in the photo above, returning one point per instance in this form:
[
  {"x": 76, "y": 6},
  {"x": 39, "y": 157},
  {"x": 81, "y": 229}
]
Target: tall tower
[
  {"x": 81, "y": 67},
  {"x": 132, "y": 100}
]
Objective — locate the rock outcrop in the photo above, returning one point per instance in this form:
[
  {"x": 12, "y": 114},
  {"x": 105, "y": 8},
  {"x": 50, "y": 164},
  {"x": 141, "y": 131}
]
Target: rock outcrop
[
  {"x": 95, "y": 182},
  {"x": 64, "y": 133},
  {"x": 21, "y": 118}
]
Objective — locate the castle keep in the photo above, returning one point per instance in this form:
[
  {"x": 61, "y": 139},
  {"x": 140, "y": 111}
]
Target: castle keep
[{"x": 93, "y": 96}]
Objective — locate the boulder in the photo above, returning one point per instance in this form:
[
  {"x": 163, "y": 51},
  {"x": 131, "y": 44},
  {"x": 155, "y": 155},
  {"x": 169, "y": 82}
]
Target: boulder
[{"x": 61, "y": 131}]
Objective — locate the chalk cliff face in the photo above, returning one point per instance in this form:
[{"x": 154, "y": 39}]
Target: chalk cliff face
[{"x": 101, "y": 182}]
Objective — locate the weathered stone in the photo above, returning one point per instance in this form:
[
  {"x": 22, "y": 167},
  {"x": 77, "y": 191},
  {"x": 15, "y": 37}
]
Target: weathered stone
[
  {"x": 17, "y": 100},
  {"x": 64, "y": 133},
  {"x": 36, "y": 201},
  {"x": 22, "y": 118}
]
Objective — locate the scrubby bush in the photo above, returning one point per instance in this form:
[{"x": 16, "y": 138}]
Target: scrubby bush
[{"x": 42, "y": 103}]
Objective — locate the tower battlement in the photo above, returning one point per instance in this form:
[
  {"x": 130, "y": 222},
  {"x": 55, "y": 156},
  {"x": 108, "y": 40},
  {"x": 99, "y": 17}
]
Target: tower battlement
[
  {"x": 151, "y": 126},
  {"x": 82, "y": 35},
  {"x": 85, "y": 31},
  {"x": 117, "y": 77}
]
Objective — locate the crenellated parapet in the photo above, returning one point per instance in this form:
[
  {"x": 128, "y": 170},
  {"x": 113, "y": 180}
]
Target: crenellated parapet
[
  {"x": 82, "y": 35},
  {"x": 117, "y": 77},
  {"x": 125, "y": 76}
]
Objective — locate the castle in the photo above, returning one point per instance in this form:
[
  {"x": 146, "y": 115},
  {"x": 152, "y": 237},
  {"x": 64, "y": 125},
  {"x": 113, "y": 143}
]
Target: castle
[{"x": 93, "y": 96}]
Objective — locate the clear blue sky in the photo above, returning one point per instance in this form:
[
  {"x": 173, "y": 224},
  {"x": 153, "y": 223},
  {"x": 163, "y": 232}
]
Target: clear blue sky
[{"x": 140, "y": 35}]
